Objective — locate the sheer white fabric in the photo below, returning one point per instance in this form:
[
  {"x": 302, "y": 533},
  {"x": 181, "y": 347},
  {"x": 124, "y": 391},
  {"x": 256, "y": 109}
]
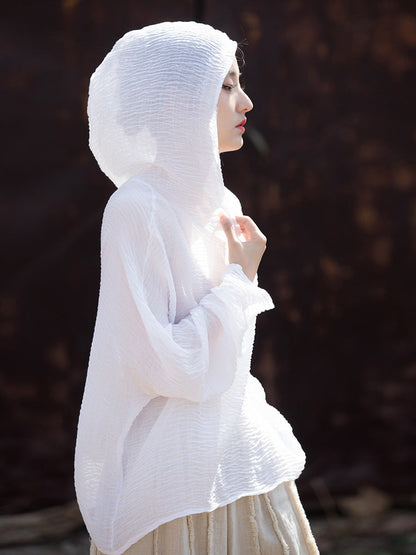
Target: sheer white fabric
[{"x": 172, "y": 422}]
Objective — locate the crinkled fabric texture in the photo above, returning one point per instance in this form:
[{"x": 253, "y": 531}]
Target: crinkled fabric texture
[
  {"x": 152, "y": 111},
  {"x": 172, "y": 422},
  {"x": 272, "y": 523}
]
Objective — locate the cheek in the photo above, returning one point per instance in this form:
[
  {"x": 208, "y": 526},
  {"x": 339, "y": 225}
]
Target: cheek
[
  {"x": 220, "y": 105},
  {"x": 221, "y": 113},
  {"x": 224, "y": 112}
]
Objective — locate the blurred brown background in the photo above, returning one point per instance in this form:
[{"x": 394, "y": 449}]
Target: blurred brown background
[{"x": 327, "y": 171}]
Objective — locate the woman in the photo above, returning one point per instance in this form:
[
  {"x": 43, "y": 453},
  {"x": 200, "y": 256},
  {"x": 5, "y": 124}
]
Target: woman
[{"x": 177, "y": 450}]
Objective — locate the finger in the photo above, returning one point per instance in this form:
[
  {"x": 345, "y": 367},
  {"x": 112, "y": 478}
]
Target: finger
[
  {"x": 246, "y": 221},
  {"x": 227, "y": 226},
  {"x": 248, "y": 227}
]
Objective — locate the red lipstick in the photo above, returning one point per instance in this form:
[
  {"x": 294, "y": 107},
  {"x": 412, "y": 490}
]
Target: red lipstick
[{"x": 242, "y": 124}]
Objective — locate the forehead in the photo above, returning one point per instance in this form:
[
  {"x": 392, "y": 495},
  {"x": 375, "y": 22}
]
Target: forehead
[{"x": 234, "y": 70}]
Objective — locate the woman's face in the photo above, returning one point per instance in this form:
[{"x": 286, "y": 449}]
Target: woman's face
[{"x": 233, "y": 104}]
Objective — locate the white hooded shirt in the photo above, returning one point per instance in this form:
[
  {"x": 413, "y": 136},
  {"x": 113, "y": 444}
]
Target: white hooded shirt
[{"x": 172, "y": 421}]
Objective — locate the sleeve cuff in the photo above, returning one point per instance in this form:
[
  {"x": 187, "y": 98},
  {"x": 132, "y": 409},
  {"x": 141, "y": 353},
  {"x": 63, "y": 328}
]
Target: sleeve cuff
[{"x": 252, "y": 299}]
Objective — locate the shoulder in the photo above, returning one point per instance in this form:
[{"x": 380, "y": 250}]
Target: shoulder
[
  {"x": 137, "y": 199},
  {"x": 132, "y": 197},
  {"x": 137, "y": 209}
]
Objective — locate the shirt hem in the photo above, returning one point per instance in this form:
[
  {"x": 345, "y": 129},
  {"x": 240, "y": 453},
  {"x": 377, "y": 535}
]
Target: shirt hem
[{"x": 200, "y": 509}]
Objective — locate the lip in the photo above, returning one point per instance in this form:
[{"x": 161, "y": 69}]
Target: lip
[{"x": 241, "y": 125}]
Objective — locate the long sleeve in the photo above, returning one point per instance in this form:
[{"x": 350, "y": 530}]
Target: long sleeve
[
  {"x": 172, "y": 422},
  {"x": 193, "y": 358}
]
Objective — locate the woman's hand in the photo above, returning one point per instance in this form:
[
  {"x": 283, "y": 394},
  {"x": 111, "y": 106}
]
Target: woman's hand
[{"x": 247, "y": 253}]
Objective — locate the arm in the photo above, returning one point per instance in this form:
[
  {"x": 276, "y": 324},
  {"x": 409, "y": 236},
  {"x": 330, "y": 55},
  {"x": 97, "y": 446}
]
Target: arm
[{"x": 194, "y": 358}]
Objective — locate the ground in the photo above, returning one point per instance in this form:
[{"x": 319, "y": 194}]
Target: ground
[{"x": 393, "y": 533}]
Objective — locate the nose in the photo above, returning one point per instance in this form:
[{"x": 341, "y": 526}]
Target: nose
[{"x": 244, "y": 104}]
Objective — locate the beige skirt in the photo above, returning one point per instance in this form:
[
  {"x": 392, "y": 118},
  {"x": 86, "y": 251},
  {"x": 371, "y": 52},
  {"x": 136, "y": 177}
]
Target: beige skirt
[{"x": 272, "y": 523}]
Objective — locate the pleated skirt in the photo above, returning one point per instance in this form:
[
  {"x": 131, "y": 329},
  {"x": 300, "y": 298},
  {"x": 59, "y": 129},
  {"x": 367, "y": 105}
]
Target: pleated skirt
[{"x": 272, "y": 523}]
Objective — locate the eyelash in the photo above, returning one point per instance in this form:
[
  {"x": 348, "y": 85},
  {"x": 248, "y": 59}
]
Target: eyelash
[{"x": 229, "y": 88}]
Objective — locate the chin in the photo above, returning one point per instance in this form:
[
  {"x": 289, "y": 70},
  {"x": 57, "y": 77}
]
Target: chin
[{"x": 232, "y": 146}]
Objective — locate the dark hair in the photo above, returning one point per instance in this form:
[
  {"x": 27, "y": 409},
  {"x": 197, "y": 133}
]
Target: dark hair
[{"x": 239, "y": 54}]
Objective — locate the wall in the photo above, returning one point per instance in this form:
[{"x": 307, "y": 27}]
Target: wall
[{"x": 328, "y": 173}]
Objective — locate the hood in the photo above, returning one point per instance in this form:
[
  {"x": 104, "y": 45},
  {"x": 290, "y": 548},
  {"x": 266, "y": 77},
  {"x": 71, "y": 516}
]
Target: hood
[{"x": 152, "y": 112}]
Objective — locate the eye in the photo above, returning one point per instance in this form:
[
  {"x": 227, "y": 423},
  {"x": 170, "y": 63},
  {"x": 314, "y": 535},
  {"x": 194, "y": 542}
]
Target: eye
[{"x": 228, "y": 88}]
